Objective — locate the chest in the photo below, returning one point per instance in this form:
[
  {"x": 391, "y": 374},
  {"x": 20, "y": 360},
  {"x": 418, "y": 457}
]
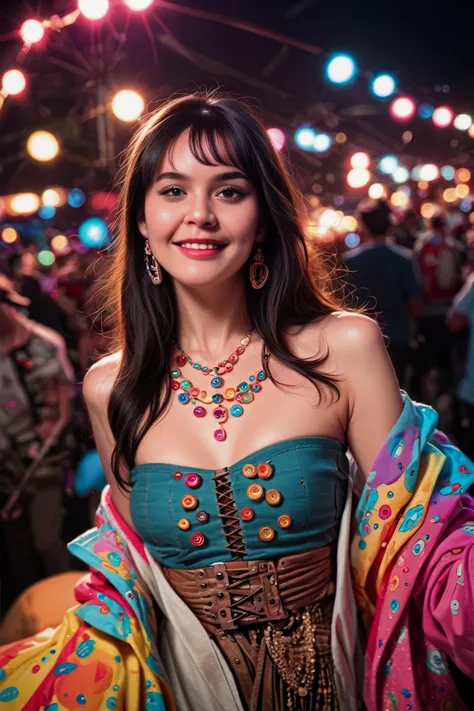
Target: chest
[{"x": 274, "y": 414}]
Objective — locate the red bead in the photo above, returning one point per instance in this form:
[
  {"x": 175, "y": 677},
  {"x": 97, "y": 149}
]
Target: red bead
[
  {"x": 238, "y": 396},
  {"x": 202, "y": 516},
  {"x": 229, "y": 367},
  {"x": 199, "y": 411},
  {"x": 247, "y": 513},
  {"x": 178, "y": 475},
  {"x": 194, "y": 392},
  {"x": 175, "y": 385},
  {"x": 193, "y": 480},
  {"x": 220, "y": 435},
  {"x": 198, "y": 539},
  {"x": 239, "y": 350},
  {"x": 36, "y": 669},
  {"x": 181, "y": 360},
  {"x": 233, "y": 358}
]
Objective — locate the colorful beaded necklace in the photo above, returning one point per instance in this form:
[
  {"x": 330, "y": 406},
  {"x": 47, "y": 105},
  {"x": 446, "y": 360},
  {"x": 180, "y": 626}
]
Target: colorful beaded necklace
[{"x": 244, "y": 393}]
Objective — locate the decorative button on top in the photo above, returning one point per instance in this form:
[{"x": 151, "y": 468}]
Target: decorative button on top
[
  {"x": 178, "y": 475},
  {"x": 247, "y": 513},
  {"x": 266, "y": 533},
  {"x": 285, "y": 521},
  {"x": 189, "y": 502},
  {"x": 184, "y": 524},
  {"x": 249, "y": 471},
  {"x": 202, "y": 516},
  {"x": 193, "y": 480},
  {"x": 273, "y": 497},
  {"x": 264, "y": 470},
  {"x": 255, "y": 492},
  {"x": 198, "y": 539}
]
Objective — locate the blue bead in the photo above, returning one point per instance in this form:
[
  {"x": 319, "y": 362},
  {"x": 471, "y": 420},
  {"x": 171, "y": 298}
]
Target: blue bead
[
  {"x": 216, "y": 382},
  {"x": 183, "y": 398},
  {"x": 217, "y": 398},
  {"x": 81, "y": 699},
  {"x": 261, "y": 375},
  {"x": 252, "y": 378},
  {"x": 205, "y": 369},
  {"x": 197, "y": 366},
  {"x": 236, "y": 410},
  {"x": 256, "y": 388},
  {"x": 243, "y": 387}
]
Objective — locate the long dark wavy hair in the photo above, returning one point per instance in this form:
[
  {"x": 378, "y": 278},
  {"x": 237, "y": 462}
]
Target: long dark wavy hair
[{"x": 222, "y": 131}]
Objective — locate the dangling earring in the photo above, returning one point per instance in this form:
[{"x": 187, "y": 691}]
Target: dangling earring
[
  {"x": 258, "y": 271},
  {"x": 152, "y": 266}
]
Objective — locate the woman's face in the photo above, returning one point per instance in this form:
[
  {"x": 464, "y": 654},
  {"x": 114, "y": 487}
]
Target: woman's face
[{"x": 202, "y": 221}]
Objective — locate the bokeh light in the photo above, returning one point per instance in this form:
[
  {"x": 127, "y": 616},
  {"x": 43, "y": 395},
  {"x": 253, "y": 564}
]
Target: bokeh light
[
  {"x": 47, "y": 212},
  {"x": 462, "y": 190},
  {"x": 471, "y": 131},
  {"x": 388, "y": 164},
  {"x": 348, "y": 224},
  {"x": 139, "y": 4},
  {"x": 376, "y": 191},
  {"x": 9, "y": 235},
  {"x": 93, "y": 9},
  {"x": 94, "y": 233},
  {"x": 46, "y": 257},
  {"x": 383, "y": 85},
  {"x": 449, "y": 195},
  {"x": 360, "y": 160},
  {"x": 59, "y": 243},
  {"x": 352, "y": 240},
  {"x": 341, "y": 137},
  {"x": 24, "y": 204},
  {"x": 463, "y": 122},
  {"x": 42, "y": 146},
  {"x": 443, "y": 116},
  {"x": 429, "y": 172},
  {"x": 425, "y": 111},
  {"x": 56, "y": 197},
  {"x": 341, "y": 69},
  {"x": 13, "y": 82},
  {"x": 463, "y": 175},
  {"x": 277, "y": 137},
  {"x": 304, "y": 137},
  {"x": 423, "y": 185},
  {"x": 403, "y": 108},
  {"x": 428, "y": 210},
  {"x": 358, "y": 178},
  {"x": 400, "y": 199},
  {"x": 448, "y": 172},
  {"x": 401, "y": 174},
  {"x": 32, "y": 31},
  {"x": 322, "y": 142},
  {"x": 329, "y": 219},
  {"x": 128, "y": 105},
  {"x": 407, "y": 136},
  {"x": 76, "y": 198}
]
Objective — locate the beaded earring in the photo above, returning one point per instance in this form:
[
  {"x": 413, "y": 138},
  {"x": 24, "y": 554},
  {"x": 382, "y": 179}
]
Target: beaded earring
[
  {"x": 259, "y": 271},
  {"x": 152, "y": 266}
]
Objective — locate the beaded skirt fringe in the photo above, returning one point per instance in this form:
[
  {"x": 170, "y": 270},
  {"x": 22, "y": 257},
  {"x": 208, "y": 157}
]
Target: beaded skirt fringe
[{"x": 271, "y": 669}]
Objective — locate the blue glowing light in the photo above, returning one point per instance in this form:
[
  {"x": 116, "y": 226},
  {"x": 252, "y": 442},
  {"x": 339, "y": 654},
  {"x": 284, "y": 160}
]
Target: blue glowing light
[
  {"x": 47, "y": 212},
  {"x": 352, "y": 240},
  {"x": 383, "y": 86},
  {"x": 94, "y": 233},
  {"x": 304, "y": 137},
  {"x": 76, "y": 198},
  {"x": 425, "y": 111},
  {"x": 388, "y": 164},
  {"x": 448, "y": 172},
  {"x": 341, "y": 69},
  {"x": 322, "y": 142}
]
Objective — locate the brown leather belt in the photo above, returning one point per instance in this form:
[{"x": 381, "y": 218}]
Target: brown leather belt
[{"x": 241, "y": 592}]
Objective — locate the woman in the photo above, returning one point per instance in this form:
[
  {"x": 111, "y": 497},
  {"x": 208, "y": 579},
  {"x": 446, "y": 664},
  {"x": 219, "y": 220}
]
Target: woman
[{"x": 222, "y": 421}]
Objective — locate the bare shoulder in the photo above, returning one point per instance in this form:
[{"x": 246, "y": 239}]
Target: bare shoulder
[
  {"x": 343, "y": 333},
  {"x": 100, "y": 380}
]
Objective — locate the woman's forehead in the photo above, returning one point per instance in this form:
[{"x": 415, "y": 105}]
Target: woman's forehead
[{"x": 200, "y": 152}]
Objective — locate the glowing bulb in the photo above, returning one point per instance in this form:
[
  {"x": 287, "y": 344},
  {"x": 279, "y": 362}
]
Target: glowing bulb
[
  {"x": 348, "y": 224},
  {"x": 463, "y": 175},
  {"x": 59, "y": 243},
  {"x": 463, "y": 122},
  {"x": 328, "y": 219},
  {"x": 304, "y": 137},
  {"x": 360, "y": 160},
  {"x": 46, "y": 258},
  {"x": 139, "y": 4},
  {"x": 376, "y": 191},
  {"x": 388, "y": 165},
  {"x": 443, "y": 116},
  {"x": 93, "y": 9},
  {"x": 9, "y": 235},
  {"x": 13, "y": 82},
  {"x": 358, "y": 177},
  {"x": 401, "y": 174},
  {"x": 341, "y": 137},
  {"x": 24, "y": 204},
  {"x": 383, "y": 86},
  {"x": 32, "y": 31},
  {"x": 94, "y": 232},
  {"x": 428, "y": 210},
  {"x": 76, "y": 198},
  {"x": 403, "y": 108},
  {"x": 51, "y": 197},
  {"x": 400, "y": 199},
  {"x": 352, "y": 240},
  {"x": 277, "y": 137},
  {"x": 462, "y": 190},
  {"x": 449, "y": 195},
  {"x": 429, "y": 172},
  {"x": 128, "y": 105},
  {"x": 341, "y": 69},
  {"x": 448, "y": 172},
  {"x": 42, "y": 146},
  {"x": 322, "y": 142}
]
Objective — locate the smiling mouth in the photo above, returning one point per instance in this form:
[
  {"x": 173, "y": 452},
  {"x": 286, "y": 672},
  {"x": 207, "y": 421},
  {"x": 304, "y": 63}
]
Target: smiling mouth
[{"x": 203, "y": 246}]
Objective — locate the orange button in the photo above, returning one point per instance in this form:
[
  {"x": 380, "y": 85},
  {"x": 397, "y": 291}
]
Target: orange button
[
  {"x": 247, "y": 513},
  {"x": 184, "y": 524},
  {"x": 249, "y": 471},
  {"x": 273, "y": 497},
  {"x": 255, "y": 492},
  {"x": 266, "y": 533},
  {"x": 229, "y": 394},
  {"x": 264, "y": 471},
  {"x": 285, "y": 521},
  {"x": 189, "y": 502}
]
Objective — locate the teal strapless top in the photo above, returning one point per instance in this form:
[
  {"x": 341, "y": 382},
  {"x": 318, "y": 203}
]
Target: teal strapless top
[{"x": 293, "y": 504}]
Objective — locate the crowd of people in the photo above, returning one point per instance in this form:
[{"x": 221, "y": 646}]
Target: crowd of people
[{"x": 415, "y": 277}]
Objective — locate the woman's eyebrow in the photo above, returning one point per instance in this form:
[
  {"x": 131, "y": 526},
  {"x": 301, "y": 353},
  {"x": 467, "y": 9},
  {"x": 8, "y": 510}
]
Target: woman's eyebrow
[{"x": 229, "y": 175}]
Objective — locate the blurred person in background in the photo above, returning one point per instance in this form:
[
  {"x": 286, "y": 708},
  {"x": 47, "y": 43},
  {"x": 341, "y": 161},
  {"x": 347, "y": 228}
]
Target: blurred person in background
[
  {"x": 405, "y": 234},
  {"x": 385, "y": 282},
  {"x": 35, "y": 414}
]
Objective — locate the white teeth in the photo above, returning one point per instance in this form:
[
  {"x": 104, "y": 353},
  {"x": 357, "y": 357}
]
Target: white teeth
[{"x": 199, "y": 245}]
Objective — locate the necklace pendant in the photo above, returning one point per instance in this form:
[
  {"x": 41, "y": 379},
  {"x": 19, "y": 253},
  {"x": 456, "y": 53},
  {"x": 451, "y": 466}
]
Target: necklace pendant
[
  {"x": 217, "y": 382},
  {"x": 199, "y": 411},
  {"x": 220, "y": 435},
  {"x": 220, "y": 414}
]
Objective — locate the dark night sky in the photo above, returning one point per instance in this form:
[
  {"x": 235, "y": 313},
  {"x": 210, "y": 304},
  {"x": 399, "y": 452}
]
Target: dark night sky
[{"x": 423, "y": 46}]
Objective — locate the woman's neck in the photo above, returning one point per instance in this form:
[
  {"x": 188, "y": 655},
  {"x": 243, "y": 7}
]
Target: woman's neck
[{"x": 211, "y": 321}]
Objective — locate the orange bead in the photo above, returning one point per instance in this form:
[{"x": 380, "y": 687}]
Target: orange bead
[
  {"x": 249, "y": 471},
  {"x": 273, "y": 497},
  {"x": 255, "y": 492},
  {"x": 264, "y": 471},
  {"x": 189, "y": 502},
  {"x": 184, "y": 524},
  {"x": 285, "y": 521}
]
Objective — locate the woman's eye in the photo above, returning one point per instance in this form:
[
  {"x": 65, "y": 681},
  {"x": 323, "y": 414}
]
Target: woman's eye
[
  {"x": 172, "y": 192},
  {"x": 231, "y": 193}
]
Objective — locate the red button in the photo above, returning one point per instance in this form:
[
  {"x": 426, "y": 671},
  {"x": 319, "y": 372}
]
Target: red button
[
  {"x": 247, "y": 513},
  {"x": 198, "y": 539},
  {"x": 193, "y": 480},
  {"x": 202, "y": 516},
  {"x": 175, "y": 385},
  {"x": 178, "y": 475},
  {"x": 181, "y": 360}
]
